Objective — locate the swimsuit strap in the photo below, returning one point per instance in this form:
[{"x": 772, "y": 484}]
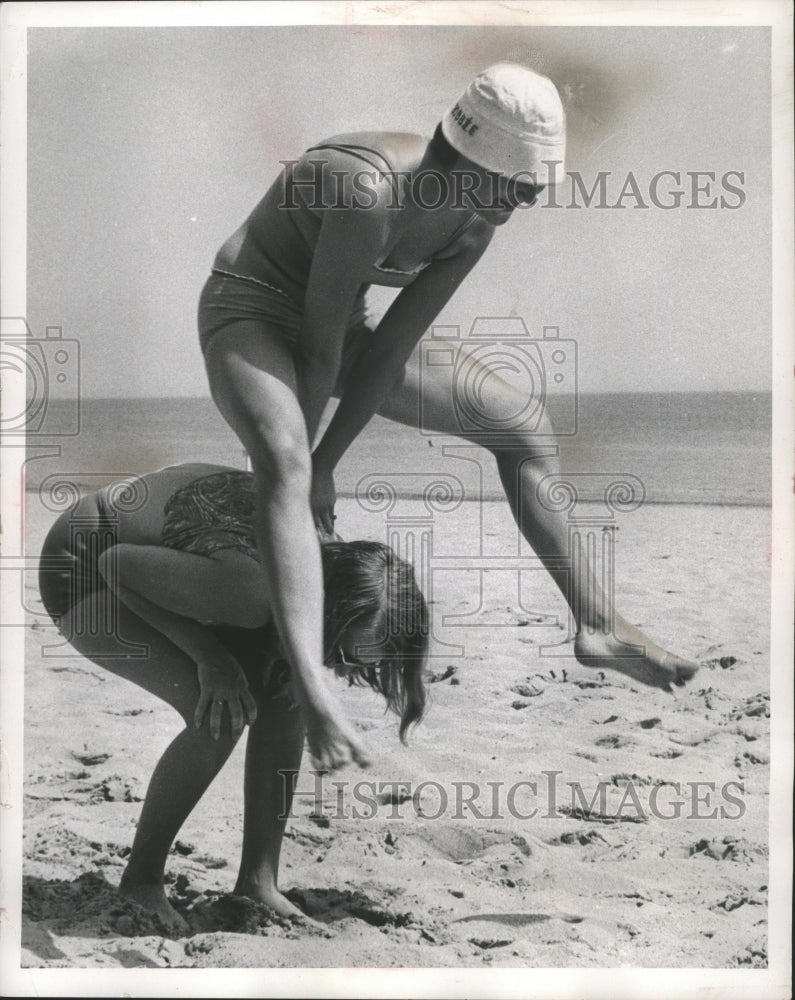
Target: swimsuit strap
[
  {"x": 464, "y": 225},
  {"x": 353, "y": 150}
]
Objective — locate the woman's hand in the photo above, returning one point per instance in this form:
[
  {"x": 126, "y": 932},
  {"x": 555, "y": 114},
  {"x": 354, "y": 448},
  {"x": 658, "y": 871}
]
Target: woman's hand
[
  {"x": 323, "y": 498},
  {"x": 222, "y": 682},
  {"x": 331, "y": 741}
]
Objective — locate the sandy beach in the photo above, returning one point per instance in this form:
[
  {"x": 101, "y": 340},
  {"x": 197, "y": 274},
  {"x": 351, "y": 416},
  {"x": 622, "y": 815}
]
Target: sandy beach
[{"x": 414, "y": 876}]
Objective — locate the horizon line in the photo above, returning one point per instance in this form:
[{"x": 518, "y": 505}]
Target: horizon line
[{"x": 554, "y": 395}]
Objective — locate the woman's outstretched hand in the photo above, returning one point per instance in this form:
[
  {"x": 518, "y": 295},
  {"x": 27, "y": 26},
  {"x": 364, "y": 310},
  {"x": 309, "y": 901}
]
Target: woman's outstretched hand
[
  {"x": 323, "y": 499},
  {"x": 331, "y": 741},
  {"x": 223, "y": 683}
]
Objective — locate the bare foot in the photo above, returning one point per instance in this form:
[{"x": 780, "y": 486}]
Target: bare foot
[
  {"x": 647, "y": 662},
  {"x": 274, "y": 900},
  {"x": 153, "y": 899}
]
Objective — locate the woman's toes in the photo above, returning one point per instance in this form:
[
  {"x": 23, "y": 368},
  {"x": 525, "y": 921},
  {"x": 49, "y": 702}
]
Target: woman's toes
[{"x": 684, "y": 674}]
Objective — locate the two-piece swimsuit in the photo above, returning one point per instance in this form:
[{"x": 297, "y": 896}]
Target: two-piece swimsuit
[{"x": 230, "y": 296}]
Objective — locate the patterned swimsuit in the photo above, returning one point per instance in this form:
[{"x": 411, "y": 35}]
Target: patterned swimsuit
[
  {"x": 212, "y": 513},
  {"x": 217, "y": 512}
]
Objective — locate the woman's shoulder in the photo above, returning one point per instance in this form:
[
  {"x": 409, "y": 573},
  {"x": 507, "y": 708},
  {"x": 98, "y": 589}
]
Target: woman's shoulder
[
  {"x": 399, "y": 151},
  {"x": 193, "y": 468}
]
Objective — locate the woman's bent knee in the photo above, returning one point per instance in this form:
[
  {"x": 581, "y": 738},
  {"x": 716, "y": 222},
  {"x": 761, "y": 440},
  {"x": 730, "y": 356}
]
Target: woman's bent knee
[
  {"x": 281, "y": 458},
  {"x": 534, "y": 461}
]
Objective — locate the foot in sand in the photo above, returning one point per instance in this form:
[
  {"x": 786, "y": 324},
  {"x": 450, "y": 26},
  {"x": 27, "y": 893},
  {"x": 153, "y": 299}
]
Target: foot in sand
[
  {"x": 271, "y": 897},
  {"x": 650, "y": 665},
  {"x": 153, "y": 899}
]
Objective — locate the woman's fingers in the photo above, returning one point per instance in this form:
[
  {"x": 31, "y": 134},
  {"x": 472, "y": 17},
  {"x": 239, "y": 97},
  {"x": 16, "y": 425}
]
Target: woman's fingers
[
  {"x": 240, "y": 702},
  {"x": 250, "y": 706},
  {"x": 324, "y": 520},
  {"x": 201, "y": 709},
  {"x": 236, "y": 715},
  {"x": 360, "y": 755},
  {"x": 216, "y": 715},
  {"x": 333, "y": 757}
]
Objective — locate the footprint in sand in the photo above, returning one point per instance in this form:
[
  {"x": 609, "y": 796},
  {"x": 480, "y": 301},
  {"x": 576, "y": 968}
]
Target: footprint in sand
[
  {"x": 754, "y": 956},
  {"x": 90, "y": 757},
  {"x": 327, "y": 906},
  {"x": 737, "y": 899},
  {"x": 747, "y": 757},
  {"x": 724, "y": 662},
  {"x": 614, "y": 742},
  {"x": 650, "y": 723},
  {"x": 669, "y": 754},
  {"x": 585, "y": 838},
  {"x": 446, "y": 674},
  {"x": 114, "y": 788},
  {"x": 757, "y": 706},
  {"x": 595, "y": 933},
  {"x": 728, "y": 849},
  {"x": 528, "y": 690},
  {"x": 595, "y": 816}
]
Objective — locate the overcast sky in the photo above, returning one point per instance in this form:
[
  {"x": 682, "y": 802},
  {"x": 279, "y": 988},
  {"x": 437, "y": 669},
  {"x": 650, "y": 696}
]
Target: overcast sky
[{"x": 148, "y": 146}]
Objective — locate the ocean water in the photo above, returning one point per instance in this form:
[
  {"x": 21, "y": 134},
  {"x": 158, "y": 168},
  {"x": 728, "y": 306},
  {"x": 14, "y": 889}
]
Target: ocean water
[{"x": 687, "y": 448}]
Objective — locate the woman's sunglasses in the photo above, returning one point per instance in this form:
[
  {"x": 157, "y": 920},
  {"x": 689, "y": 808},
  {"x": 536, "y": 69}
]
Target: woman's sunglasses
[{"x": 354, "y": 663}]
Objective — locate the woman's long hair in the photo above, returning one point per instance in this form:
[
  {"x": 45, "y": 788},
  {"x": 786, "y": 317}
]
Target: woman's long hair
[{"x": 368, "y": 585}]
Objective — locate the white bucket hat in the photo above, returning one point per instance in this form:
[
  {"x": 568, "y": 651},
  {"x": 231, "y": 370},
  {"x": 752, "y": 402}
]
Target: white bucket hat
[{"x": 510, "y": 120}]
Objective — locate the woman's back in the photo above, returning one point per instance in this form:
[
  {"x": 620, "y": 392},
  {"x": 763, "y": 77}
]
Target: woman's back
[{"x": 138, "y": 505}]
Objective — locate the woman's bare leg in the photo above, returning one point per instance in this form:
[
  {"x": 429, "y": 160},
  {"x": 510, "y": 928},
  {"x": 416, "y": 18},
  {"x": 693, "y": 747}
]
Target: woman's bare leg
[
  {"x": 523, "y": 461},
  {"x": 189, "y": 764},
  {"x": 273, "y": 758},
  {"x": 253, "y": 382}
]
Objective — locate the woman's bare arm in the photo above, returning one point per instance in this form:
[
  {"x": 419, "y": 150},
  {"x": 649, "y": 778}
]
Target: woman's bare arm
[
  {"x": 395, "y": 338},
  {"x": 227, "y": 586},
  {"x": 221, "y": 679},
  {"x": 351, "y": 239}
]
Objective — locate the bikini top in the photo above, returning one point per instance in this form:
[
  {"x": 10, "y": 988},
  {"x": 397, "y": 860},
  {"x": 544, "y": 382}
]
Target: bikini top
[{"x": 380, "y": 274}]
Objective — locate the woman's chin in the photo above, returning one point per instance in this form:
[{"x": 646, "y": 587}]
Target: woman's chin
[{"x": 495, "y": 216}]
